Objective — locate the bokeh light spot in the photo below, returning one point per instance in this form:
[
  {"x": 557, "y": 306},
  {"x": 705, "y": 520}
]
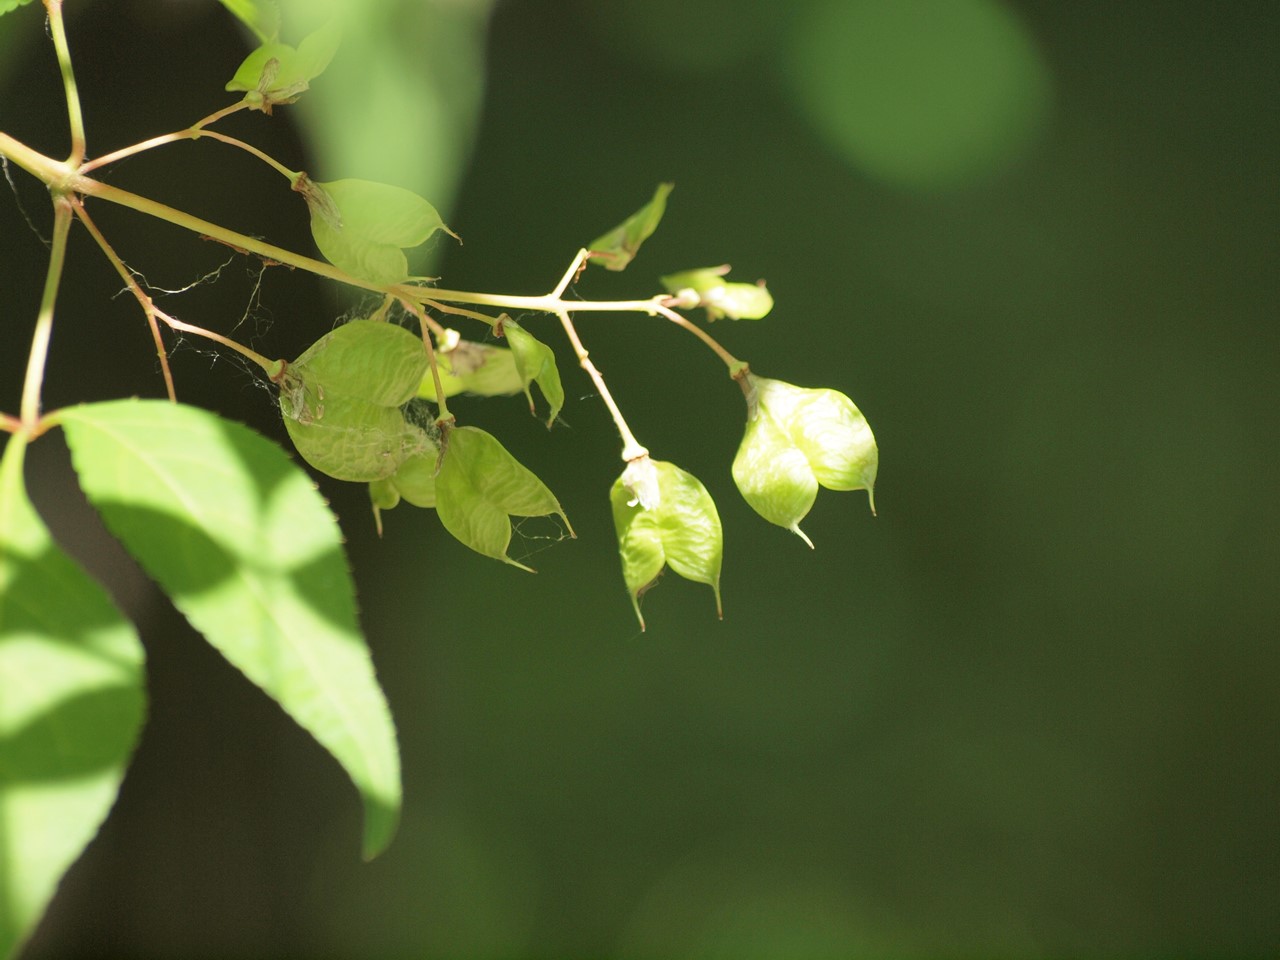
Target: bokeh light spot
[{"x": 921, "y": 93}]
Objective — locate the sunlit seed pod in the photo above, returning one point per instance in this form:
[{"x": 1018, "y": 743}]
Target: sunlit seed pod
[
  {"x": 372, "y": 360},
  {"x": 679, "y": 528},
  {"x": 706, "y": 287},
  {"x": 796, "y": 440},
  {"x": 347, "y": 438},
  {"x": 479, "y": 486}
]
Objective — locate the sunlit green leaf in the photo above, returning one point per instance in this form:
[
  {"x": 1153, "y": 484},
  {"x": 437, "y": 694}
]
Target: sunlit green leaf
[
  {"x": 71, "y": 707},
  {"x": 469, "y": 367},
  {"x": 364, "y": 227},
  {"x": 480, "y": 485},
  {"x": 617, "y": 248},
  {"x": 535, "y": 362},
  {"x": 664, "y": 516},
  {"x": 277, "y": 73},
  {"x": 244, "y": 546},
  {"x": 706, "y": 287},
  {"x": 260, "y": 16},
  {"x": 797, "y": 439}
]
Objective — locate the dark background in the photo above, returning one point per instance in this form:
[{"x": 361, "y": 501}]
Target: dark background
[{"x": 1030, "y": 710}]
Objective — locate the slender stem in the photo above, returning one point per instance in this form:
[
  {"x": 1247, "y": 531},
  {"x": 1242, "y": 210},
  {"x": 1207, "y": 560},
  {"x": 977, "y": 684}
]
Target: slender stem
[
  {"x": 729, "y": 359},
  {"x": 74, "y": 114},
  {"x": 458, "y": 312},
  {"x": 250, "y": 148},
  {"x": 39, "y": 355},
  {"x": 631, "y": 447},
  {"x": 135, "y": 149},
  {"x": 148, "y": 308},
  {"x": 441, "y": 402},
  {"x": 240, "y": 348},
  {"x": 571, "y": 274},
  {"x": 191, "y": 133},
  {"x": 219, "y": 114},
  {"x": 10, "y": 424},
  {"x": 237, "y": 241}
]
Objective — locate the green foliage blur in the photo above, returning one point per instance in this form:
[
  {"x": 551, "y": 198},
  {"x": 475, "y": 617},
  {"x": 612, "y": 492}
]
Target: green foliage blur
[{"x": 1028, "y": 711}]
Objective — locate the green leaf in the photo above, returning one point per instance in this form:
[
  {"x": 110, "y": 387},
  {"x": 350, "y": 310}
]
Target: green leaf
[
  {"x": 479, "y": 485},
  {"x": 7, "y": 5},
  {"x": 706, "y": 287},
  {"x": 364, "y": 227},
  {"x": 260, "y": 16},
  {"x": 617, "y": 248},
  {"x": 664, "y": 516},
  {"x": 796, "y": 440},
  {"x": 469, "y": 367},
  {"x": 535, "y": 362},
  {"x": 71, "y": 707},
  {"x": 246, "y": 549},
  {"x": 277, "y": 73}
]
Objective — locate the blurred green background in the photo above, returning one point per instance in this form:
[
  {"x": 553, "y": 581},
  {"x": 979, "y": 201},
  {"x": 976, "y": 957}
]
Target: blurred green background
[{"x": 1028, "y": 711}]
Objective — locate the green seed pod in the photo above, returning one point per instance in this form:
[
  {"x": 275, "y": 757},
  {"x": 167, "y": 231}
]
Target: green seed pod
[
  {"x": 347, "y": 438},
  {"x": 370, "y": 359},
  {"x": 341, "y": 400},
  {"x": 664, "y": 516},
  {"x": 479, "y": 486},
  {"x": 706, "y": 287},
  {"x": 535, "y": 362},
  {"x": 796, "y": 440},
  {"x": 416, "y": 478},
  {"x": 469, "y": 367}
]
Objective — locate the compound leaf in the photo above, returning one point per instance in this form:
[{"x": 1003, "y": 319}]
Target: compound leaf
[
  {"x": 239, "y": 538},
  {"x": 71, "y": 707}
]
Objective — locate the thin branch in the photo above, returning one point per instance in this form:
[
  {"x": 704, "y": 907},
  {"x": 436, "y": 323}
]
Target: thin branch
[
  {"x": 75, "y": 115},
  {"x": 424, "y": 327},
  {"x": 729, "y": 359},
  {"x": 148, "y": 308},
  {"x": 39, "y": 354},
  {"x": 631, "y": 447}
]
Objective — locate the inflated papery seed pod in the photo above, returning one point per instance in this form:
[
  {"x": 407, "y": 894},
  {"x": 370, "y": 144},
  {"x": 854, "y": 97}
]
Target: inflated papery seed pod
[
  {"x": 707, "y": 287},
  {"x": 796, "y": 440},
  {"x": 341, "y": 400},
  {"x": 665, "y": 517},
  {"x": 414, "y": 482},
  {"x": 480, "y": 486},
  {"x": 536, "y": 363}
]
